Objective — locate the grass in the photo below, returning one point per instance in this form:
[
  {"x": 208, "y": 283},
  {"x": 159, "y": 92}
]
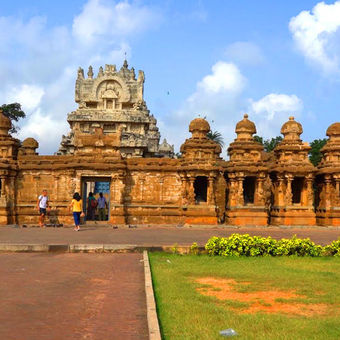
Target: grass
[{"x": 187, "y": 314}]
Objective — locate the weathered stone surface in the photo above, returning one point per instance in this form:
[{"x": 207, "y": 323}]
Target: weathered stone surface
[
  {"x": 146, "y": 187},
  {"x": 112, "y": 117}
]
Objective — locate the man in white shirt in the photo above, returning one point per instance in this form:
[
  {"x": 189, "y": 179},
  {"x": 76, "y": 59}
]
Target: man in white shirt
[{"x": 42, "y": 205}]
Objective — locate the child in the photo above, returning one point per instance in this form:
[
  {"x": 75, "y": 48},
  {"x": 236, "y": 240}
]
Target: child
[{"x": 77, "y": 207}]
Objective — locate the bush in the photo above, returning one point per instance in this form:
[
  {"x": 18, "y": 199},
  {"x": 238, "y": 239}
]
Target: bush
[
  {"x": 333, "y": 249},
  {"x": 246, "y": 245}
]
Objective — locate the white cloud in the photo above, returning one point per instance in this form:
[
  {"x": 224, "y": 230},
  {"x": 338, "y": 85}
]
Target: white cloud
[
  {"x": 271, "y": 111},
  {"x": 225, "y": 77},
  {"x": 29, "y": 96},
  {"x": 39, "y": 62},
  {"x": 316, "y": 35},
  {"x": 102, "y": 18},
  {"x": 46, "y": 130},
  {"x": 244, "y": 52},
  {"x": 220, "y": 98}
]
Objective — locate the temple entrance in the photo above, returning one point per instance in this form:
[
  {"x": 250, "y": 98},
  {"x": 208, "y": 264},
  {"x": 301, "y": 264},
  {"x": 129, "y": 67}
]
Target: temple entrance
[
  {"x": 297, "y": 186},
  {"x": 249, "y": 190},
  {"x": 94, "y": 209},
  {"x": 201, "y": 188}
]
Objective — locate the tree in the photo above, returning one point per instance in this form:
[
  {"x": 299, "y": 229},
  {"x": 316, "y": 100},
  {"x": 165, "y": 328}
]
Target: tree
[
  {"x": 14, "y": 113},
  {"x": 315, "y": 154},
  {"x": 269, "y": 144},
  {"x": 216, "y": 137}
]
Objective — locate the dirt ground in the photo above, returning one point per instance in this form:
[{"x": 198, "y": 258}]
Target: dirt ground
[{"x": 268, "y": 301}]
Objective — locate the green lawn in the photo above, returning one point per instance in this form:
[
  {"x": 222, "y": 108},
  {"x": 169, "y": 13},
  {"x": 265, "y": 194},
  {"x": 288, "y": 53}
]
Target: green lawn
[{"x": 185, "y": 313}]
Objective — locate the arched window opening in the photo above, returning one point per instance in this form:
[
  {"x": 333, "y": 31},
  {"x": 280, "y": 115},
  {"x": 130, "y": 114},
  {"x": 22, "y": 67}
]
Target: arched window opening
[
  {"x": 297, "y": 186},
  {"x": 249, "y": 190},
  {"x": 201, "y": 188}
]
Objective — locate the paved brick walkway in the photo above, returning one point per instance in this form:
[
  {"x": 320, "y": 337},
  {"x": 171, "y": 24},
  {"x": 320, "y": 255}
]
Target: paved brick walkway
[
  {"x": 152, "y": 236},
  {"x": 72, "y": 296}
]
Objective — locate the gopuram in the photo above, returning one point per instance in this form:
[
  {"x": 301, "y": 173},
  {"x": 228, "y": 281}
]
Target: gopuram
[{"x": 113, "y": 147}]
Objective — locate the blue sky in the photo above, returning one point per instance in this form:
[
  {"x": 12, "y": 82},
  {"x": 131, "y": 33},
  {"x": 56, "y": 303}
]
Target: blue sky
[{"x": 219, "y": 59}]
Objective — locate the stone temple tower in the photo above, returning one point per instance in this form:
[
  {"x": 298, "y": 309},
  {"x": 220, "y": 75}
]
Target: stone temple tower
[{"x": 111, "y": 106}]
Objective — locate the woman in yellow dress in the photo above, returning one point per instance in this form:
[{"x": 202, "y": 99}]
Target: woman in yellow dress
[{"x": 77, "y": 207}]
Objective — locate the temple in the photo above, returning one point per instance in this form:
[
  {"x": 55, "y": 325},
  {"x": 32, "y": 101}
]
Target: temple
[{"x": 113, "y": 147}]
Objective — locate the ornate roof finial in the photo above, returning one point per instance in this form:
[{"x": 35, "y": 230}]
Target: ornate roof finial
[
  {"x": 125, "y": 65},
  {"x": 80, "y": 73},
  {"x": 90, "y": 72},
  {"x": 101, "y": 71}
]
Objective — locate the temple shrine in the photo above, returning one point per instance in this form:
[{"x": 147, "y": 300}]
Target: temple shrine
[{"x": 114, "y": 147}]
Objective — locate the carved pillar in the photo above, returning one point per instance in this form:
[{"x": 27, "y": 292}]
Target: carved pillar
[
  {"x": 191, "y": 190},
  {"x": 288, "y": 195},
  {"x": 259, "y": 192},
  {"x": 240, "y": 198},
  {"x": 327, "y": 196},
  {"x": 337, "y": 191},
  {"x": 310, "y": 193},
  {"x": 161, "y": 183},
  {"x": 3, "y": 192},
  {"x": 279, "y": 197},
  {"x": 211, "y": 193},
  {"x": 232, "y": 199},
  {"x": 142, "y": 181}
]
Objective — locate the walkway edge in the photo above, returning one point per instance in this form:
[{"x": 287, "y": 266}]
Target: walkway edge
[{"x": 153, "y": 326}]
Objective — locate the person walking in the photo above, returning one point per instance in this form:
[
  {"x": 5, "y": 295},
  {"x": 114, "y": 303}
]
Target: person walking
[
  {"x": 77, "y": 207},
  {"x": 91, "y": 207},
  {"x": 102, "y": 204},
  {"x": 42, "y": 206}
]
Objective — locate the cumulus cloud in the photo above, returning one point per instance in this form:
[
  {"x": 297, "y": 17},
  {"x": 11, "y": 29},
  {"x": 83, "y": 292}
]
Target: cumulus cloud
[
  {"x": 220, "y": 97},
  {"x": 316, "y": 34},
  {"x": 39, "y": 62},
  {"x": 244, "y": 52},
  {"x": 271, "y": 111},
  {"x": 100, "y": 18},
  {"x": 29, "y": 96}
]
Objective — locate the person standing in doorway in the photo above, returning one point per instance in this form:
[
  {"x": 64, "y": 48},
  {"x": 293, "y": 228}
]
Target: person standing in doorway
[
  {"x": 42, "y": 206},
  {"x": 91, "y": 207},
  {"x": 102, "y": 204},
  {"x": 77, "y": 207}
]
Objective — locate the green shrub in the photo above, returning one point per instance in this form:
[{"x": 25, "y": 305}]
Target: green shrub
[
  {"x": 333, "y": 249},
  {"x": 246, "y": 245}
]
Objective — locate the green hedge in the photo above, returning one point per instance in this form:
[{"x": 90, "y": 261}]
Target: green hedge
[{"x": 246, "y": 245}]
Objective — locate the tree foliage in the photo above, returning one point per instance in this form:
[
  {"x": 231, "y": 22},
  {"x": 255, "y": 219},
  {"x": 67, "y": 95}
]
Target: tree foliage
[
  {"x": 14, "y": 113},
  {"x": 315, "y": 154},
  {"x": 216, "y": 137},
  {"x": 269, "y": 144}
]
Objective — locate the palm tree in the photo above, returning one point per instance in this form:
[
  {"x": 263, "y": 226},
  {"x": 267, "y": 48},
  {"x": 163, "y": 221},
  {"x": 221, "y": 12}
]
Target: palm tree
[{"x": 216, "y": 137}]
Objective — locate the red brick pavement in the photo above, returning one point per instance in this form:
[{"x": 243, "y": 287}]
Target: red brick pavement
[
  {"x": 72, "y": 296},
  {"x": 152, "y": 236}
]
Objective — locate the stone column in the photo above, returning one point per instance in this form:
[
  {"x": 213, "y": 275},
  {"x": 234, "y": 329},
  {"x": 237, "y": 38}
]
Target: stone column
[
  {"x": 240, "y": 198},
  {"x": 288, "y": 195},
  {"x": 279, "y": 198},
  {"x": 232, "y": 199},
  {"x": 327, "y": 196},
  {"x": 191, "y": 191},
  {"x": 3, "y": 192},
  {"x": 210, "y": 193},
  {"x": 259, "y": 191},
  {"x": 310, "y": 193},
  {"x": 337, "y": 191},
  {"x": 161, "y": 183}
]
